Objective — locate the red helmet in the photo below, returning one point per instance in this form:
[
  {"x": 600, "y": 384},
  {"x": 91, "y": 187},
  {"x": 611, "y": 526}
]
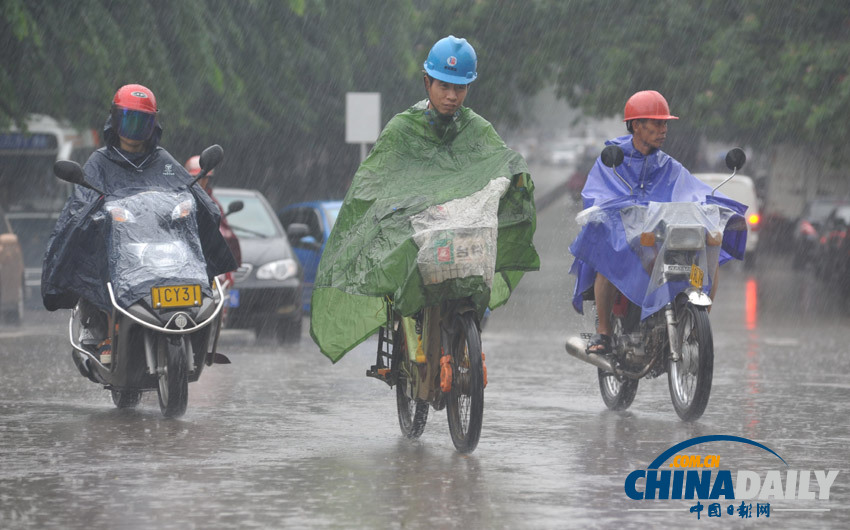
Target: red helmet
[
  {"x": 135, "y": 97},
  {"x": 193, "y": 165},
  {"x": 134, "y": 112},
  {"x": 647, "y": 104}
]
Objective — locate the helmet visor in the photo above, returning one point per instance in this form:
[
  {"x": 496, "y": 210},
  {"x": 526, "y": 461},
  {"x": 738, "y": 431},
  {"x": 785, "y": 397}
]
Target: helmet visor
[{"x": 133, "y": 124}]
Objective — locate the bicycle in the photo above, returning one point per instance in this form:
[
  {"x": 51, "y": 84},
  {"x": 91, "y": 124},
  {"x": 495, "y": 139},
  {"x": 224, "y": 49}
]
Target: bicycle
[{"x": 451, "y": 376}]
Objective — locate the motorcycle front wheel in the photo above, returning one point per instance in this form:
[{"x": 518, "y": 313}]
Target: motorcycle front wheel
[
  {"x": 465, "y": 407},
  {"x": 412, "y": 414},
  {"x": 689, "y": 378},
  {"x": 173, "y": 388}
]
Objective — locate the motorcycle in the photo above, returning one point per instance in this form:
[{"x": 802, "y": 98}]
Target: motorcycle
[
  {"x": 165, "y": 318},
  {"x": 678, "y": 246}
]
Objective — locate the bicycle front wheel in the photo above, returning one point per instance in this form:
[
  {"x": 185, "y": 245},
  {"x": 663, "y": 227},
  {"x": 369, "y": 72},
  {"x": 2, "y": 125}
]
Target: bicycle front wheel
[{"x": 465, "y": 406}]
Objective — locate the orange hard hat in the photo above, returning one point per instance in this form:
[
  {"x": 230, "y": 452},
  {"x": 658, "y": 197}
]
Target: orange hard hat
[{"x": 647, "y": 104}]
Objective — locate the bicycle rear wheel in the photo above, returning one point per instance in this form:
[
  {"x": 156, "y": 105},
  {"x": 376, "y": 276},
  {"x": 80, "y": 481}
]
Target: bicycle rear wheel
[
  {"x": 465, "y": 406},
  {"x": 412, "y": 414}
]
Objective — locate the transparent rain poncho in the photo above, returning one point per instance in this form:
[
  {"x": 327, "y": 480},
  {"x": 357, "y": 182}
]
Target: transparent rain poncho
[
  {"x": 152, "y": 240},
  {"x": 683, "y": 234}
]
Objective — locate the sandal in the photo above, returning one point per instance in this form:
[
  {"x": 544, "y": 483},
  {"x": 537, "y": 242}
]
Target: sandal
[{"x": 601, "y": 344}]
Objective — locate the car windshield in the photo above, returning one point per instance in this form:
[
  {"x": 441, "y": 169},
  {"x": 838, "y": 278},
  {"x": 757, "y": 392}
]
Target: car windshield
[
  {"x": 251, "y": 222},
  {"x": 820, "y": 211},
  {"x": 843, "y": 213},
  {"x": 332, "y": 214}
]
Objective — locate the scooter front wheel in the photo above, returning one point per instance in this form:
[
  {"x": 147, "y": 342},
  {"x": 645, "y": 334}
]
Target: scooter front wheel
[
  {"x": 690, "y": 377},
  {"x": 173, "y": 373},
  {"x": 126, "y": 399}
]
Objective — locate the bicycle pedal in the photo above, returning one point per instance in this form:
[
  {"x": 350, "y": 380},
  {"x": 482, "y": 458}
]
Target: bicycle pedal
[{"x": 379, "y": 373}]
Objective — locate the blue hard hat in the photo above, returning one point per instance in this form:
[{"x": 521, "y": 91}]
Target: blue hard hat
[{"x": 452, "y": 60}]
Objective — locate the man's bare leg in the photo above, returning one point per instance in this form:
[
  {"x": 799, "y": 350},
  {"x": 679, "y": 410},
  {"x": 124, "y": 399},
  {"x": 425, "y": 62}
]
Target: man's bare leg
[{"x": 604, "y": 292}]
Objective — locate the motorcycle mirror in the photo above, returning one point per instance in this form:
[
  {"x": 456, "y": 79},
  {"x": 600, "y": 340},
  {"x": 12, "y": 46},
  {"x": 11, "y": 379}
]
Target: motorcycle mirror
[
  {"x": 612, "y": 156},
  {"x": 234, "y": 207},
  {"x": 211, "y": 157},
  {"x": 70, "y": 171},
  {"x": 736, "y": 158}
]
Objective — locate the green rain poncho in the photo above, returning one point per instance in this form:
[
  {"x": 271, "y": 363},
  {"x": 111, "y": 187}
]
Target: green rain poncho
[{"x": 405, "y": 228}]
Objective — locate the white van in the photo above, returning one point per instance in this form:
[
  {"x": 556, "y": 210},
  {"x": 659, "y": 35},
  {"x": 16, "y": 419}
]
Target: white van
[{"x": 742, "y": 189}]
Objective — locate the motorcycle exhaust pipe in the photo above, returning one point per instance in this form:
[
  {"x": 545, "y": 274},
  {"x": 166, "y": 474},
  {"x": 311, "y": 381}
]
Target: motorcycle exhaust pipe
[{"x": 576, "y": 347}]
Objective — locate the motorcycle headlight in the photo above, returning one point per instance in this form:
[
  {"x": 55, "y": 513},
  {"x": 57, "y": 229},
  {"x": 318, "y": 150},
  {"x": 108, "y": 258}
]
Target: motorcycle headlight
[
  {"x": 278, "y": 270},
  {"x": 685, "y": 238},
  {"x": 183, "y": 209}
]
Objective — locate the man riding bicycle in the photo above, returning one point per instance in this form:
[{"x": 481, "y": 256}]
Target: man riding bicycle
[{"x": 436, "y": 151}]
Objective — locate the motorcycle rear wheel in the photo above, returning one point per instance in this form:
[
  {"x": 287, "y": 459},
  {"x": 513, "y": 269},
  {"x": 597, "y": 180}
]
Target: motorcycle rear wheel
[
  {"x": 690, "y": 378},
  {"x": 465, "y": 407},
  {"x": 412, "y": 414},
  {"x": 618, "y": 394},
  {"x": 173, "y": 388}
]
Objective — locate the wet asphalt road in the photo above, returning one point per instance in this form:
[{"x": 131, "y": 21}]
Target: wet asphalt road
[{"x": 282, "y": 438}]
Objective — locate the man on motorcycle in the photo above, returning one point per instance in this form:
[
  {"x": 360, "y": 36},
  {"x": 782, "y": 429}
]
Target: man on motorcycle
[
  {"x": 652, "y": 175},
  {"x": 434, "y": 152},
  {"x": 75, "y": 265}
]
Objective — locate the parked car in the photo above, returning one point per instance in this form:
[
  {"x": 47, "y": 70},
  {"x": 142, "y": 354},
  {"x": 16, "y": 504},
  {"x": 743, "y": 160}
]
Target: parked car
[
  {"x": 268, "y": 286},
  {"x": 319, "y": 216},
  {"x": 742, "y": 189},
  {"x": 33, "y": 230},
  {"x": 809, "y": 229},
  {"x": 11, "y": 273},
  {"x": 832, "y": 255}
]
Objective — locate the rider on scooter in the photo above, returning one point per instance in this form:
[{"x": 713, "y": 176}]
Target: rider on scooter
[
  {"x": 75, "y": 263},
  {"x": 653, "y": 175}
]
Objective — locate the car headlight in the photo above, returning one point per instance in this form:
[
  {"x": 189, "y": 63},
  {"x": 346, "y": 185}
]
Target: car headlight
[{"x": 278, "y": 270}]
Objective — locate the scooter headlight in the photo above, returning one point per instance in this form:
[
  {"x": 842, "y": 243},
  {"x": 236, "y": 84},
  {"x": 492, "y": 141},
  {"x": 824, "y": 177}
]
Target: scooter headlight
[{"x": 182, "y": 210}]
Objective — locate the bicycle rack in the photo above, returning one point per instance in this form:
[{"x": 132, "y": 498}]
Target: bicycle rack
[{"x": 381, "y": 369}]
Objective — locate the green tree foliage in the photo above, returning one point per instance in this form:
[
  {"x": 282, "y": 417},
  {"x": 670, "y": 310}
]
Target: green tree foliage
[
  {"x": 267, "y": 78},
  {"x": 759, "y": 72}
]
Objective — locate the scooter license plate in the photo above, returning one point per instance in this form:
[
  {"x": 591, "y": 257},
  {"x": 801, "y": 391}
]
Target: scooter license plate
[
  {"x": 696, "y": 276},
  {"x": 176, "y": 296}
]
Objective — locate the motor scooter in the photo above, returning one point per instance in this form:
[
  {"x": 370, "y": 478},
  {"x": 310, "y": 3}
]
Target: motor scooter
[
  {"x": 675, "y": 247},
  {"x": 166, "y": 316}
]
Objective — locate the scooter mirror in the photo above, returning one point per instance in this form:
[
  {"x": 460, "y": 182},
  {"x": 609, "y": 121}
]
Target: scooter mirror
[
  {"x": 211, "y": 157},
  {"x": 612, "y": 156},
  {"x": 736, "y": 158},
  {"x": 69, "y": 171}
]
